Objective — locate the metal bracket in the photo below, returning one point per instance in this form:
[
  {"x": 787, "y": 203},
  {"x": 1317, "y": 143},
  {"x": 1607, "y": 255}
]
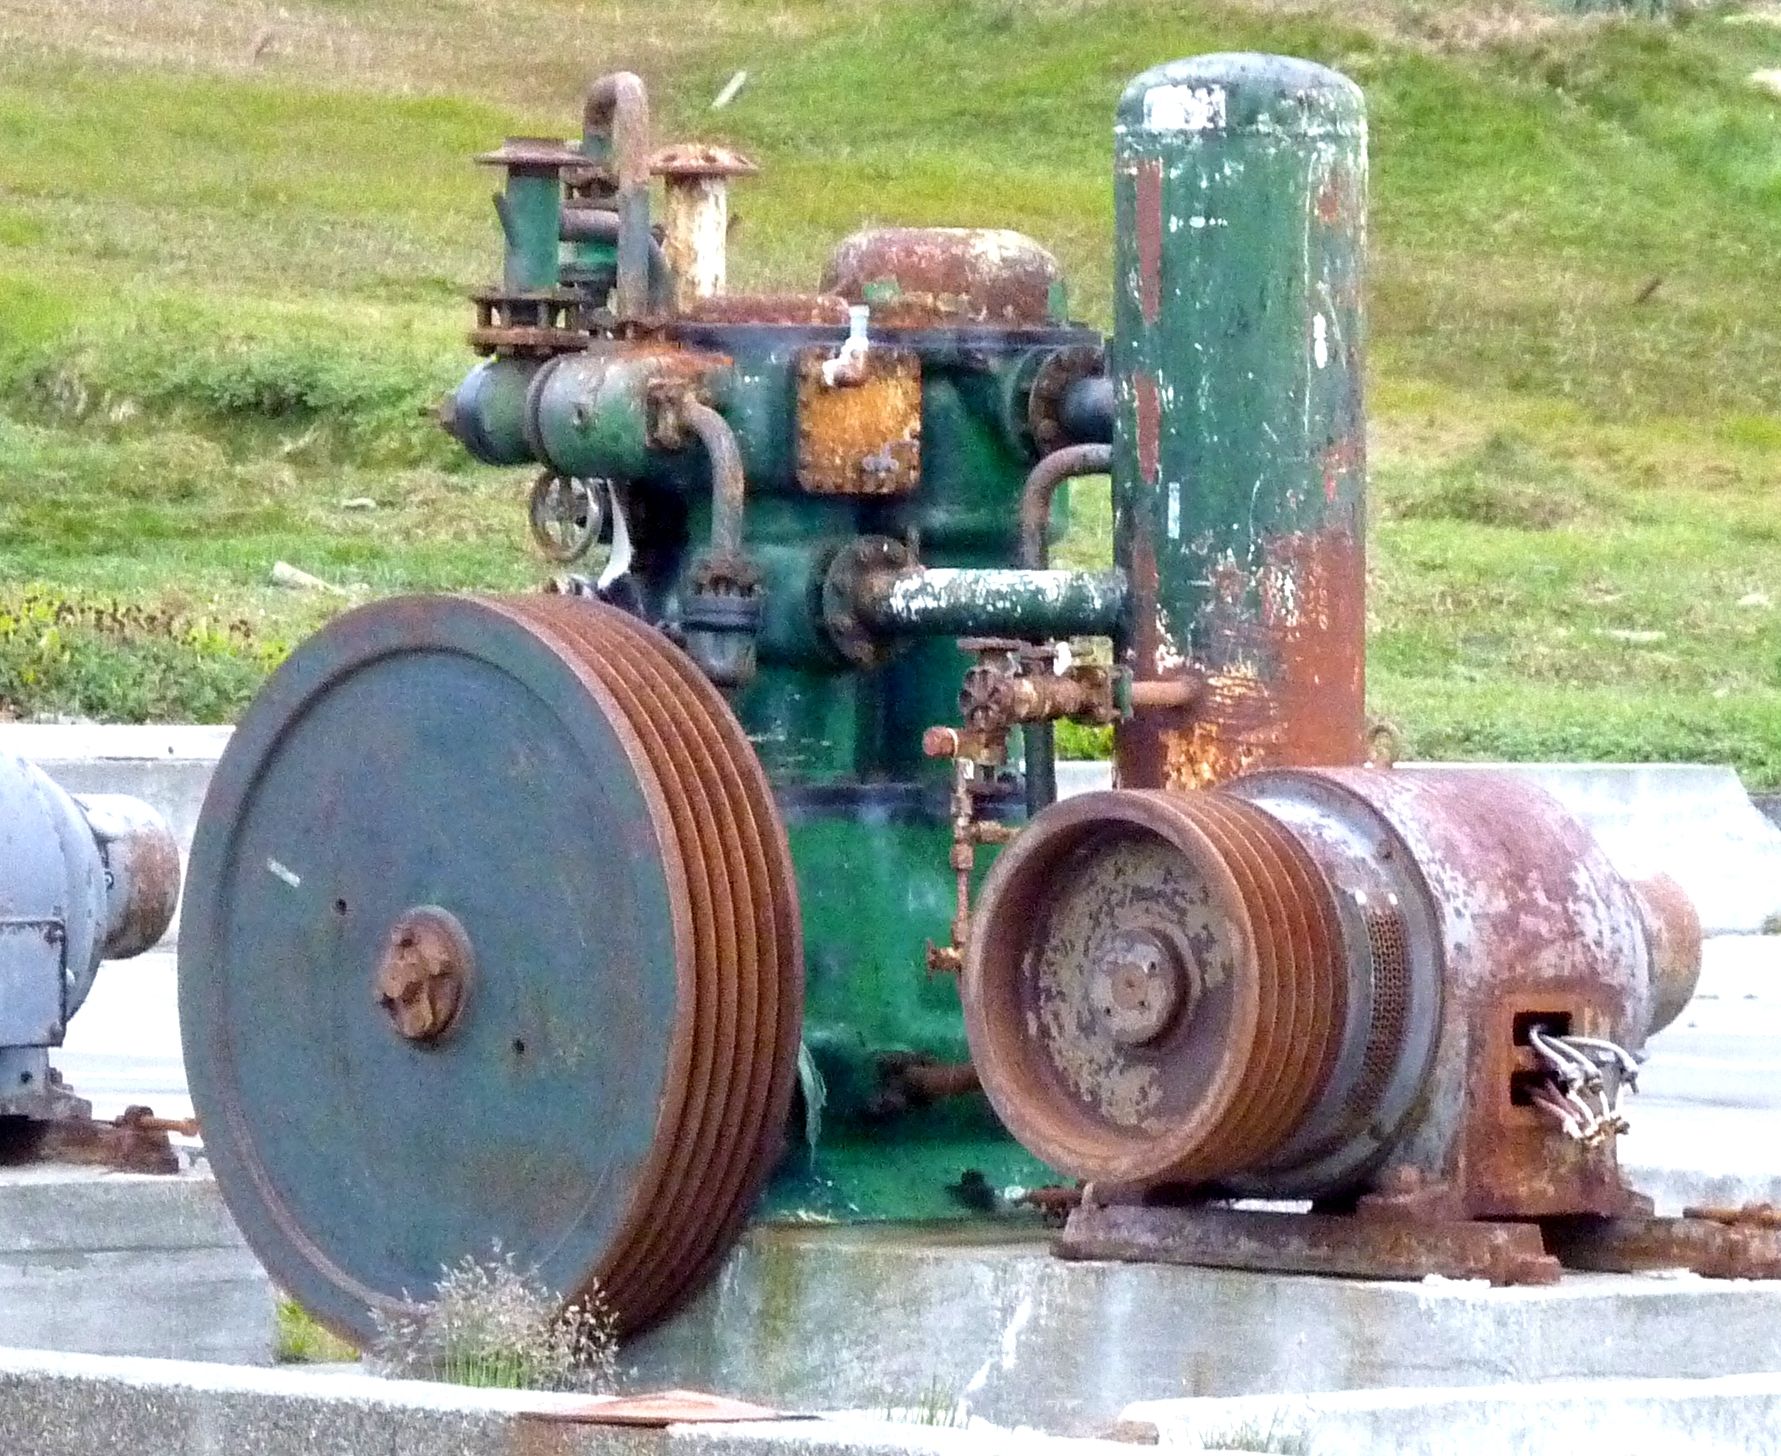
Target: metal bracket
[
  {"x": 1311, "y": 1243},
  {"x": 33, "y": 982}
]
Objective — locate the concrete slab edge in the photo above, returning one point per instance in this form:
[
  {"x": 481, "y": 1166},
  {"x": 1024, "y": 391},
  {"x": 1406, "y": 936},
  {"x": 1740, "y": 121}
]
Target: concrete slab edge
[
  {"x": 92, "y": 1405},
  {"x": 1739, "y": 1413}
]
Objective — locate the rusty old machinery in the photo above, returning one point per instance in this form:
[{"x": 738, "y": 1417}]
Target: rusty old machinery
[
  {"x": 571, "y": 923},
  {"x": 84, "y": 878}
]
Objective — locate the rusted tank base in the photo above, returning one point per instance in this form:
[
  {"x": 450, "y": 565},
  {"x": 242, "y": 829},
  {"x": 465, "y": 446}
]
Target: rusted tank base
[
  {"x": 1713, "y": 1248},
  {"x": 1218, "y": 1237}
]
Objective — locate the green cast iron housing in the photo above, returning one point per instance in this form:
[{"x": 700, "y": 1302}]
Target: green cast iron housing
[{"x": 1238, "y": 462}]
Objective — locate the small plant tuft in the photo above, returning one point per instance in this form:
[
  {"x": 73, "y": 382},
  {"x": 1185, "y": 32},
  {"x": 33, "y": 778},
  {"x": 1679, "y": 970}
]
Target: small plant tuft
[
  {"x": 933, "y": 1405},
  {"x": 302, "y": 1340},
  {"x": 492, "y": 1323}
]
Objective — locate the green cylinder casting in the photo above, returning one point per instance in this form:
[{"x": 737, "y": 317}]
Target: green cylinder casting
[
  {"x": 1239, "y": 449},
  {"x": 590, "y": 414}
]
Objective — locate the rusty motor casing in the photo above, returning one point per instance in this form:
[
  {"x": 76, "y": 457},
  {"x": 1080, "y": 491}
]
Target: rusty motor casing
[{"x": 1316, "y": 983}]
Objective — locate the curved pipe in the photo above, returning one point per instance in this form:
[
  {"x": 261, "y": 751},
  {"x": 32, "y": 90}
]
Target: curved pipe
[
  {"x": 598, "y": 225},
  {"x": 1041, "y": 486},
  {"x": 615, "y": 119},
  {"x": 728, "y": 486},
  {"x": 1039, "y": 740}
]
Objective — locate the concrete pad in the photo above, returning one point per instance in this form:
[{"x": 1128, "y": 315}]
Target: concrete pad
[
  {"x": 73, "y": 1405},
  {"x": 1692, "y": 821},
  {"x": 1706, "y": 1127},
  {"x": 1633, "y": 1417},
  {"x": 128, "y": 1264},
  {"x": 877, "y": 1317}
]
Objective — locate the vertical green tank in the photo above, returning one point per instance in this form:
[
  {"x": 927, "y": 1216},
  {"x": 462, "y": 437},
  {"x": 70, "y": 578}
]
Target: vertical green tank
[{"x": 1239, "y": 459}]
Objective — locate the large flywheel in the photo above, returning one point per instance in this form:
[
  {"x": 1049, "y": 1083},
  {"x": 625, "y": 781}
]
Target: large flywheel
[{"x": 491, "y": 943}]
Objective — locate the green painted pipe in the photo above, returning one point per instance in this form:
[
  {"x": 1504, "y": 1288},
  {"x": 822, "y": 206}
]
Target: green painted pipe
[{"x": 993, "y": 602}]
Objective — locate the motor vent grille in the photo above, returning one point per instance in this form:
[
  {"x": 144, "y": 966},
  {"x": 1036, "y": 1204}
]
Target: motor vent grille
[{"x": 1389, "y": 949}]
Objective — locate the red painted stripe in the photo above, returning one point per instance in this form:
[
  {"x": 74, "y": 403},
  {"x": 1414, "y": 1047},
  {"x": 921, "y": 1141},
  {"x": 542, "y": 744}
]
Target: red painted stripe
[
  {"x": 1150, "y": 239},
  {"x": 1150, "y": 424}
]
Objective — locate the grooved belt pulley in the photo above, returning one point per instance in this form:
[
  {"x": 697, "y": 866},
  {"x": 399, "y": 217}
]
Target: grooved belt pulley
[
  {"x": 1194, "y": 988},
  {"x": 1154, "y": 992},
  {"x": 491, "y": 943}
]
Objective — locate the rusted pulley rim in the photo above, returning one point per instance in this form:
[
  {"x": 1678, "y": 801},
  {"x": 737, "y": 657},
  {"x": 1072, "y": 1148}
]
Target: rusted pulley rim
[
  {"x": 1254, "y": 1115},
  {"x": 767, "y": 854},
  {"x": 1265, "y": 1016},
  {"x": 1117, "y": 1114},
  {"x": 720, "y": 1161},
  {"x": 724, "y": 1030},
  {"x": 453, "y": 753},
  {"x": 1322, "y": 967},
  {"x": 1287, "y": 897}
]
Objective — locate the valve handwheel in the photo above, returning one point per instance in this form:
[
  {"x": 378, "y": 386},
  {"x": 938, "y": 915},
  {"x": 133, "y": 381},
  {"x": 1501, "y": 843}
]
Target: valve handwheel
[{"x": 566, "y": 514}]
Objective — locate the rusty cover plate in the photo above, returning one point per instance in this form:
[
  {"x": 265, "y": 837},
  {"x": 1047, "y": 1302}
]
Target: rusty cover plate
[
  {"x": 862, "y": 438},
  {"x": 660, "y": 1408}
]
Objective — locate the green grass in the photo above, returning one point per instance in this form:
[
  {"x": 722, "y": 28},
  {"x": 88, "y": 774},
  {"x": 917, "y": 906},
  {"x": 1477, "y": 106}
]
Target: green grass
[
  {"x": 233, "y": 239},
  {"x": 300, "y": 1340}
]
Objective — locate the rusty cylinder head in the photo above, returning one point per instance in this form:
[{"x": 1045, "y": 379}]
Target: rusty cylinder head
[{"x": 1283, "y": 987}]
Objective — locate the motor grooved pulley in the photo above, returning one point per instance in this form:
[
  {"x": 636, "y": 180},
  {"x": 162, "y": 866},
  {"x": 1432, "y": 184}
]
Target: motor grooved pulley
[{"x": 491, "y": 945}]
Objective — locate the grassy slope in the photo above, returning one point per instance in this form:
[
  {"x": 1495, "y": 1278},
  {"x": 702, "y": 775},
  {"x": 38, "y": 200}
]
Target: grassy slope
[{"x": 232, "y": 240}]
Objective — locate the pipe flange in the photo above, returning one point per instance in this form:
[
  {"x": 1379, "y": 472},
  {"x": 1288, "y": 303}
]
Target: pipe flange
[
  {"x": 1060, "y": 369},
  {"x": 840, "y": 593}
]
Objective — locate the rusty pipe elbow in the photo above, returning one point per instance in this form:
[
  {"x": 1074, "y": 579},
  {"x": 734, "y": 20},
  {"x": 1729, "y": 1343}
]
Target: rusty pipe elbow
[
  {"x": 729, "y": 487},
  {"x": 615, "y": 130},
  {"x": 721, "y": 617},
  {"x": 1039, "y": 740},
  {"x": 617, "y": 109},
  {"x": 1041, "y": 486}
]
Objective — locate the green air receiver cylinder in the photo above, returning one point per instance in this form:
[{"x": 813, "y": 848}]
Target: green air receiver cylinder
[{"x": 1239, "y": 462}]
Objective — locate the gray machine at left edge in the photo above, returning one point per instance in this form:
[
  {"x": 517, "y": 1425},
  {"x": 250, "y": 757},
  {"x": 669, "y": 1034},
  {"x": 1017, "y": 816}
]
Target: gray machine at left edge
[{"x": 83, "y": 879}]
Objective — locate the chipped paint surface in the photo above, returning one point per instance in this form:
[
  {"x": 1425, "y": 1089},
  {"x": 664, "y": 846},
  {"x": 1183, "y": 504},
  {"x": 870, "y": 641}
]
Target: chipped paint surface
[
  {"x": 1239, "y": 462},
  {"x": 1533, "y": 918},
  {"x": 1185, "y": 108},
  {"x": 863, "y": 437},
  {"x": 1149, "y": 181},
  {"x": 963, "y": 601},
  {"x": 695, "y": 236}
]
